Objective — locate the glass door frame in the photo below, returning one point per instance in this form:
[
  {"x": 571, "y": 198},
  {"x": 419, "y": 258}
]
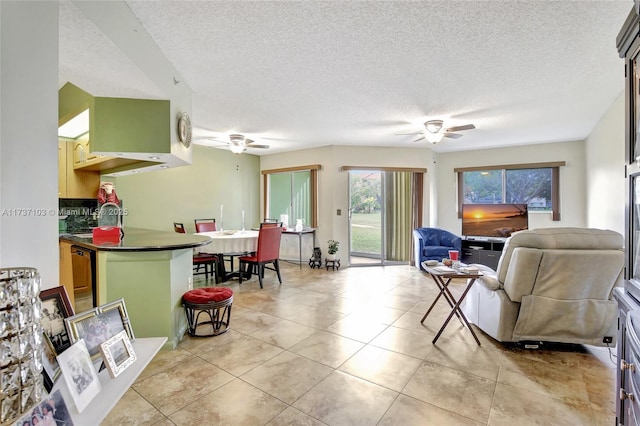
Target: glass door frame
[{"x": 376, "y": 260}]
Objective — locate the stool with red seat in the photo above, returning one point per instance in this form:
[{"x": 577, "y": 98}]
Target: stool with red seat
[{"x": 215, "y": 303}]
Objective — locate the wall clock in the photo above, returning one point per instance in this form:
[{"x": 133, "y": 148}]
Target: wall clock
[{"x": 184, "y": 129}]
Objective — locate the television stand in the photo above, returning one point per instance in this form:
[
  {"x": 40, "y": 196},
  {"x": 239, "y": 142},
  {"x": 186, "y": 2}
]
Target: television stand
[{"x": 482, "y": 250}]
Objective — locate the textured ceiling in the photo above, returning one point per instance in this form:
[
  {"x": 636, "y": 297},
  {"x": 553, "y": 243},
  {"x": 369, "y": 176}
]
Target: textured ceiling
[{"x": 316, "y": 73}]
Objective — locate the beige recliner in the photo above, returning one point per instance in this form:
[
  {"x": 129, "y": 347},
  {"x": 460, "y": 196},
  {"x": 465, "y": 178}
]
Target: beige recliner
[{"x": 551, "y": 285}]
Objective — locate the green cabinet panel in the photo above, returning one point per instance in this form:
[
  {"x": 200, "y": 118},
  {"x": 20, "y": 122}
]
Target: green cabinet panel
[{"x": 130, "y": 125}]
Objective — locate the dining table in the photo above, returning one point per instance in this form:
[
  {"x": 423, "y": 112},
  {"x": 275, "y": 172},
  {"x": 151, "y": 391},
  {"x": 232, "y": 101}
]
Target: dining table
[{"x": 229, "y": 244}]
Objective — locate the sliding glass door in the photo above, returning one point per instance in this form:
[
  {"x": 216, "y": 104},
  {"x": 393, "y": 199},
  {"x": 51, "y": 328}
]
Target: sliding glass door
[{"x": 380, "y": 216}]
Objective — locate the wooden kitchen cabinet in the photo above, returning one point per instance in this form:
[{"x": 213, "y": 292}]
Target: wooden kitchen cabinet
[
  {"x": 83, "y": 158},
  {"x": 66, "y": 271},
  {"x": 74, "y": 183},
  {"x": 62, "y": 169}
]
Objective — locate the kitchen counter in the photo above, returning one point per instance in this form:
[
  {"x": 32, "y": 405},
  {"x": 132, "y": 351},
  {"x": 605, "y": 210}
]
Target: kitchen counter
[
  {"x": 138, "y": 239},
  {"x": 150, "y": 270}
]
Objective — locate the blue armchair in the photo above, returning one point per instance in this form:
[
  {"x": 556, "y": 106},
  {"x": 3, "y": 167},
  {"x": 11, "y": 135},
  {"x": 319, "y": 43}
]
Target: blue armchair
[{"x": 434, "y": 244}]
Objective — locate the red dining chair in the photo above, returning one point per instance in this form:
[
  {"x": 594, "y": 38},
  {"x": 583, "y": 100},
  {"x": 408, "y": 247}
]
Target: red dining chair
[
  {"x": 270, "y": 224},
  {"x": 207, "y": 260},
  {"x": 205, "y": 225},
  {"x": 268, "y": 252}
]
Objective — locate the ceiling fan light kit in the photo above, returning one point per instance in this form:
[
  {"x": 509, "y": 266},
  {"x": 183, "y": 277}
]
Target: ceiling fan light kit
[
  {"x": 434, "y": 138},
  {"x": 433, "y": 131},
  {"x": 237, "y": 143}
]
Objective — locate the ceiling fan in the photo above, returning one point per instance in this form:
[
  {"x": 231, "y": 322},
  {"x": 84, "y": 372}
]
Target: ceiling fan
[
  {"x": 434, "y": 133},
  {"x": 237, "y": 143}
]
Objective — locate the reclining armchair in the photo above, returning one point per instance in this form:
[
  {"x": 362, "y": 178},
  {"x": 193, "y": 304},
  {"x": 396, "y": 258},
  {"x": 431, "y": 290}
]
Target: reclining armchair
[
  {"x": 433, "y": 244},
  {"x": 552, "y": 285}
]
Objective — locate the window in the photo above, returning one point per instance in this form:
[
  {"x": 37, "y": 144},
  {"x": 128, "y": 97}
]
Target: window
[
  {"x": 292, "y": 191},
  {"x": 536, "y": 185}
]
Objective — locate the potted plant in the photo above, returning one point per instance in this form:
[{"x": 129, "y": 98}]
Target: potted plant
[{"x": 333, "y": 248}]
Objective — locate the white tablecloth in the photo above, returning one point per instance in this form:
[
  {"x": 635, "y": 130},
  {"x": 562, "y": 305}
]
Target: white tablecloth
[{"x": 240, "y": 242}]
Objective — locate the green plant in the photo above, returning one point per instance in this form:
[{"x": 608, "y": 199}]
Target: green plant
[{"x": 333, "y": 246}]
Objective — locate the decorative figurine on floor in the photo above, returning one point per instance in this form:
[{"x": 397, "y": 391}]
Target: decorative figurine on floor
[
  {"x": 316, "y": 259},
  {"x": 331, "y": 260}
]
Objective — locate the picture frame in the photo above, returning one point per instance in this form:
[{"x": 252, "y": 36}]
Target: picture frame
[
  {"x": 51, "y": 368},
  {"x": 118, "y": 354},
  {"x": 56, "y": 306},
  {"x": 52, "y": 409},
  {"x": 98, "y": 325},
  {"x": 79, "y": 374}
]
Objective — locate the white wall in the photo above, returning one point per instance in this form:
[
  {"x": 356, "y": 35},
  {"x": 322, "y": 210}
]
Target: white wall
[
  {"x": 28, "y": 137},
  {"x": 333, "y": 190},
  {"x": 605, "y": 160},
  {"x": 572, "y": 180}
]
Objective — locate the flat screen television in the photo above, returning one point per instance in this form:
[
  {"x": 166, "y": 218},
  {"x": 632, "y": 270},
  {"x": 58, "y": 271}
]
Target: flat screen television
[{"x": 493, "y": 220}]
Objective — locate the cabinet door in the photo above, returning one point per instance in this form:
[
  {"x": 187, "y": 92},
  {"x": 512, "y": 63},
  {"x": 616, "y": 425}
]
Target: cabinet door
[
  {"x": 82, "y": 152},
  {"x": 490, "y": 258},
  {"x": 80, "y": 184},
  {"x": 62, "y": 169},
  {"x": 66, "y": 271},
  {"x": 470, "y": 256}
]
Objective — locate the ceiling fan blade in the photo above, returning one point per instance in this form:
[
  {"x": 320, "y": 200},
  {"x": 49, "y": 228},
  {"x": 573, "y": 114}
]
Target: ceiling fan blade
[
  {"x": 452, "y": 135},
  {"x": 258, "y": 146},
  {"x": 419, "y": 139},
  {"x": 412, "y": 133},
  {"x": 460, "y": 128}
]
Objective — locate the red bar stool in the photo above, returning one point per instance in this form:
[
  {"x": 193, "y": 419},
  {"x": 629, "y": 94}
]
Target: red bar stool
[{"x": 215, "y": 303}]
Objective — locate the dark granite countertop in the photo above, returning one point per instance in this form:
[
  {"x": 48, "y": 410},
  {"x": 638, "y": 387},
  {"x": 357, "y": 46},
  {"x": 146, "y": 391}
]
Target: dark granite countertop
[{"x": 138, "y": 239}]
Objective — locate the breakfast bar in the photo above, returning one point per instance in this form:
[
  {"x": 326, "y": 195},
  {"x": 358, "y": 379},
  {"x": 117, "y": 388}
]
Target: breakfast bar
[{"x": 150, "y": 270}]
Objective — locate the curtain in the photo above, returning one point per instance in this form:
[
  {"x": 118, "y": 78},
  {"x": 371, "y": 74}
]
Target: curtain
[{"x": 399, "y": 215}]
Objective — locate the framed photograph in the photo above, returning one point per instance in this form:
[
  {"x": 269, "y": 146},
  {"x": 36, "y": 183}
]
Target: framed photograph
[
  {"x": 55, "y": 308},
  {"x": 52, "y": 410},
  {"x": 99, "y": 325},
  {"x": 117, "y": 353},
  {"x": 79, "y": 374},
  {"x": 51, "y": 368}
]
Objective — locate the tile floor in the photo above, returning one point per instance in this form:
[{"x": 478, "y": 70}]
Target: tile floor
[{"x": 347, "y": 348}]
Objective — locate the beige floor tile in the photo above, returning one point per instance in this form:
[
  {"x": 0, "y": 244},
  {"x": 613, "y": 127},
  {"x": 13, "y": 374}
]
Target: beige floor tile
[
  {"x": 553, "y": 380},
  {"x": 341, "y": 399},
  {"x": 343, "y": 305},
  {"x": 284, "y": 334},
  {"x": 163, "y": 422},
  {"x": 165, "y": 360},
  {"x": 201, "y": 345},
  {"x": 315, "y": 317},
  {"x": 236, "y": 403},
  {"x": 446, "y": 388},
  {"x": 293, "y": 417},
  {"x": 241, "y": 355},
  {"x": 281, "y": 308},
  {"x": 482, "y": 361},
  {"x": 173, "y": 389},
  {"x": 296, "y": 375},
  {"x": 355, "y": 328},
  {"x": 415, "y": 344},
  {"x": 411, "y": 321},
  {"x": 381, "y": 314},
  {"x": 514, "y": 406},
  {"x": 132, "y": 409},
  {"x": 327, "y": 348},
  {"x": 382, "y": 367},
  {"x": 407, "y": 411},
  {"x": 557, "y": 384},
  {"x": 309, "y": 298},
  {"x": 252, "y": 321}
]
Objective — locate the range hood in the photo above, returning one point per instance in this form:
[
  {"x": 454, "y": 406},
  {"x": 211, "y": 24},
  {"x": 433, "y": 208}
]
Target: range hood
[{"x": 129, "y": 135}]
